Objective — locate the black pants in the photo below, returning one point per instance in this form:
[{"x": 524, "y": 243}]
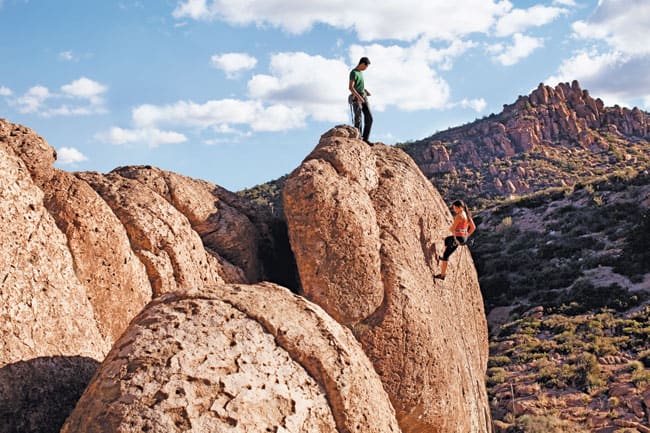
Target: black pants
[
  {"x": 359, "y": 108},
  {"x": 451, "y": 243}
]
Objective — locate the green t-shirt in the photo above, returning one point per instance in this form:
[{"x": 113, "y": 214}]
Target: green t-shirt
[{"x": 359, "y": 86}]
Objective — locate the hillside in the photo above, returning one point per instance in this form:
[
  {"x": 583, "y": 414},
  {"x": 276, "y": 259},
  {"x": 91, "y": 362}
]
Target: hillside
[
  {"x": 553, "y": 137},
  {"x": 565, "y": 276}
]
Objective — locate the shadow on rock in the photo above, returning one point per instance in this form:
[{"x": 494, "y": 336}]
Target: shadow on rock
[{"x": 38, "y": 395}]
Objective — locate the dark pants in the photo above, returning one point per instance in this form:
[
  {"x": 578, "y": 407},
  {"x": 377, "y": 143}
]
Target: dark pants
[
  {"x": 451, "y": 243},
  {"x": 359, "y": 108}
]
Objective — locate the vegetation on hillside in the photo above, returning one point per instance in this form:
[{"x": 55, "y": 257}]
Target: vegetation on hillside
[{"x": 571, "y": 250}]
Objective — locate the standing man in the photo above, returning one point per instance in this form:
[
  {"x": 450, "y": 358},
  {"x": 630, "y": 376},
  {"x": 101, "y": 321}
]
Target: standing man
[{"x": 358, "y": 98}]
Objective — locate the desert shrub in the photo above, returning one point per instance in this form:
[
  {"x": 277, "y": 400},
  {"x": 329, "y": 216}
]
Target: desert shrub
[
  {"x": 543, "y": 424},
  {"x": 636, "y": 254},
  {"x": 549, "y": 374},
  {"x": 585, "y": 296},
  {"x": 498, "y": 361},
  {"x": 641, "y": 378},
  {"x": 644, "y": 357},
  {"x": 584, "y": 372},
  {"x": 496, "y": 376}
]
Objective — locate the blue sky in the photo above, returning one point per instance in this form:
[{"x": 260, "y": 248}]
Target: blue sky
[{"x": 238, "y": 92}]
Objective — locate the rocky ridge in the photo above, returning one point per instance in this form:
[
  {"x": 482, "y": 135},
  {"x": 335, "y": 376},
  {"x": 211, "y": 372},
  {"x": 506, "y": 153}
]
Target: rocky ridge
[{"x": 550, "y": 138}]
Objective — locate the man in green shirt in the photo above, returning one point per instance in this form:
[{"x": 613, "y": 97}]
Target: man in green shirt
[{"x": 358, "y": 98}]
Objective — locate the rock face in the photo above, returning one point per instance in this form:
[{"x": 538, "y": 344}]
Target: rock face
[
  {"x": 115, "y": 279},
  {"x": 81, "y": 255},
  {"x": 160, "y": 235},
  {"x": 214, "y": 213},
  {"x": 363, "y": 223},
  {"x": 237, "y": 358},
  {"x": 44, "y": 307},
  {"x": 563, "y": 131}
]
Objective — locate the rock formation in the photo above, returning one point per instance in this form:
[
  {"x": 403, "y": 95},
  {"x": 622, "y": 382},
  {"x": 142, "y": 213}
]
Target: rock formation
[
  {"x": 47, "y": 318},
  {"x": 83, "y": 253},
  {"x": 161, "y": 236},
  {"x": 564, "y": 131},
  {"x": 238, "y": 358},
  {"x": 115, "y": 279},
  {"x": 223, "y": 228},
  {"x": 363, "y": 222}
]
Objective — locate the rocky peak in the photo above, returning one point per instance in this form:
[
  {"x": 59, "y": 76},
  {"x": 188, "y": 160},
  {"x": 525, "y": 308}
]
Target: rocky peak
[{"x": 548, "y": 138}]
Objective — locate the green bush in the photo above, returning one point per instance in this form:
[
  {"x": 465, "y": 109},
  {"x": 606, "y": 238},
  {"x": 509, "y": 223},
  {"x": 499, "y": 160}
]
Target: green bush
[
  {"x": 585, "y": 372},
  {"x": 498, "y": 361},
  {"x": 543, "y": 424},
  {"x": 496, "y": 376}
]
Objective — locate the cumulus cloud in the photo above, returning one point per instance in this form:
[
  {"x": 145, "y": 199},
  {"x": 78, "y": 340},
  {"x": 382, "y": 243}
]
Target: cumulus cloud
[
  {"x": 615, "y": 77},
  {"x": 223, "y": 112},
  {"x": 406, "y": 20},
  {"x": 477, "y": 105},
  {"x": 622, "y": 24},
  {"x": 520, "y": 20},
  {"x": 153, "y": 137},
  {"x": 5, "y": 91},
  {"x": 233, "y": 63},
  {"x": 522, "y": 47},
  {"x": 302, "y": 80},
  {"x": 39, "y": 100},
  {"x": 403, "y": 77},
  {"x": 85, "y": 88},
  {"x": 616, "y": 66},
  {"x": 69, "y": 156},
  {"x": 33, "y": 99}
]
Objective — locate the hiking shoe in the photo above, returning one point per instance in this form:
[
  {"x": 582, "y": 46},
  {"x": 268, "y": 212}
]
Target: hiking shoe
[
  {"x": 439, "y": 276},
  {"x": 369, "y": 143}
]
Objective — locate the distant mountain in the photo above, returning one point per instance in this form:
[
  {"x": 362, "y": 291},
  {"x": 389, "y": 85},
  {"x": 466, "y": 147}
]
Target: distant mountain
[{"x": 553, "y": 137}]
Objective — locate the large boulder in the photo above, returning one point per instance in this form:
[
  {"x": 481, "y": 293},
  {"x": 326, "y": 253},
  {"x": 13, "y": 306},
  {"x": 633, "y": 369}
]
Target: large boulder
[
  {"x": 214, "y": 213},
  {"x": 235, "y": 358},
  {"x": 162, "y": 237},
  {"x": 115, "y": 279},
  {"x": 365, "y": 224},
  {"x": 47, "y": 322}
]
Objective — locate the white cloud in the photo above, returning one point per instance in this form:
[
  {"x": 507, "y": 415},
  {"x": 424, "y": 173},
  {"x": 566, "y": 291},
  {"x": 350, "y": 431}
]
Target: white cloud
[
  {"x": 69, "y": 156},
  {"x": 403, "y": 77},
  {"x": 477, "y": 105},
  {"x": 616, "y": 69},
  {"x": 404, "y": 20},
  {"x": 66, "y": 110},
  {"x": 67, "y": 56},
  {"x": 615, "y": 77},
  {"x": 39, "y": 100},
  {"x": 519, "y": 20},
  {"x": 216, "y": 113},
  {"x": 5, "y": 91},
  {"x": 151, "y": 136},
  {"x": 85, "y": 88},
  {"x": 622, "y": 24},
  {"x": 522, "y": 47},
  {"x": 305, "y": 81},
  {"x": 233, "y": 63},
  {"x": 33, "y": 99},
  {"x": 570, "y": 3}
]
